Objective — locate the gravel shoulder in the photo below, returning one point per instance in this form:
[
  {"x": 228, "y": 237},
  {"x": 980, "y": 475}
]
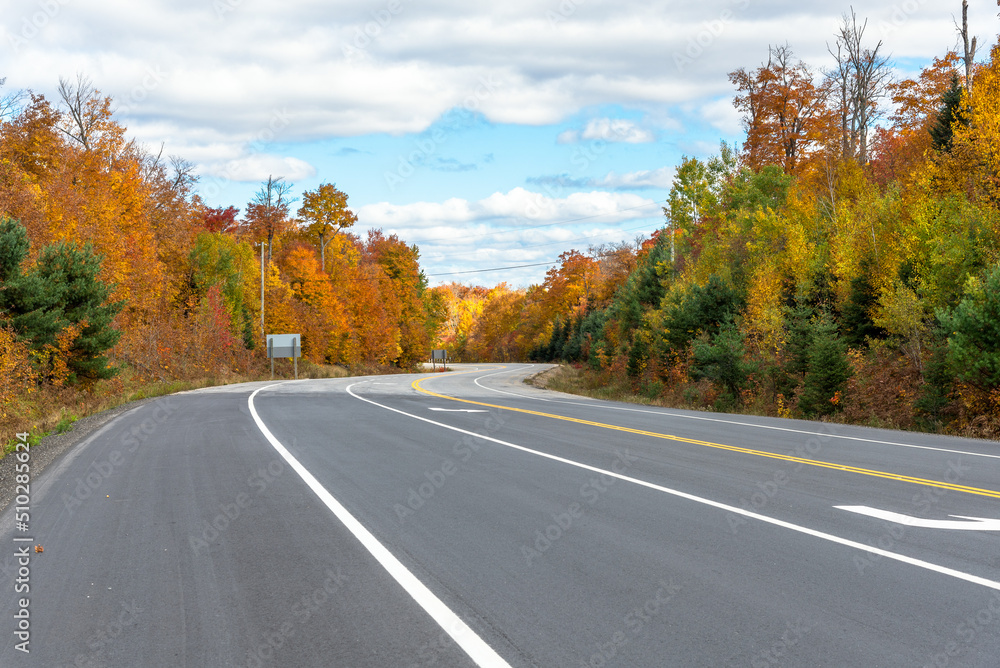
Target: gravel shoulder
[{"x": 50, "y": 448}]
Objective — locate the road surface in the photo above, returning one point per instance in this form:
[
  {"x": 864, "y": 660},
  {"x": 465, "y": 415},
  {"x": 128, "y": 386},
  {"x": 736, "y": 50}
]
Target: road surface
[{"x": 466, "y": 519}]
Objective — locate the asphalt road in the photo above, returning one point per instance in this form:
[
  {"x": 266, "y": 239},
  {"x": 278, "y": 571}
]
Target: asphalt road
[{"x": 467, "y": 519}]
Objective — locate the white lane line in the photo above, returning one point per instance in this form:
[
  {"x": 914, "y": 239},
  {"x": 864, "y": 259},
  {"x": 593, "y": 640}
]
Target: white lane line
[
  {"x": 482, "y": 654},
  {"x": 944, "y": 570},
  {"x": 962, "y": 524},
  {"x": 513, "y": 394},
  {"x": 459, "y": 410},
  {"x": 741, "y": 424}
]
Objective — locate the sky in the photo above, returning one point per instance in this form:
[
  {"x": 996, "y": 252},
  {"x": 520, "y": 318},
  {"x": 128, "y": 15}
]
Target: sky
[{"x": 489, "y": 134}]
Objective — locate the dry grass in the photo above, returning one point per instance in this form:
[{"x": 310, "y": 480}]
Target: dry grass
[
  {"x": 880, "y": 394},
  {"x": 45, "y": 410}
]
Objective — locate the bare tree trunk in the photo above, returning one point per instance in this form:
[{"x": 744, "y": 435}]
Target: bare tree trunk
[
  {"x": 863, "y": 75},
  {"x": 274, "y": 208},
  {"x": 970, "y": 46},
  {"x": 10, "y": 104},
  {"x": 79, "y": 100}
]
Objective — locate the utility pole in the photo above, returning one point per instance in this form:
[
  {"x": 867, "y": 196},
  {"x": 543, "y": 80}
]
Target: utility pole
[{"x": 263, "y": 334}]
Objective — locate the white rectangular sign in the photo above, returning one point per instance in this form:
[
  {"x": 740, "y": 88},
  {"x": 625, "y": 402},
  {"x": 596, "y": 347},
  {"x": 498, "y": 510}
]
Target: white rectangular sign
[{"x": 284, "y": 345}]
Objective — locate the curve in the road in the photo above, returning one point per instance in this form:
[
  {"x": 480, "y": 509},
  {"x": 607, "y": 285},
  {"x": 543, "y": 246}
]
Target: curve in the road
[
  {"x": 720, "y": 446},
  {"x": 920, "y": 563}
]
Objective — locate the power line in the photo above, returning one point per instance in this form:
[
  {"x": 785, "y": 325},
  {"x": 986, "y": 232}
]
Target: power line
[
  {"x": 551, "y": 243},
  {"x": 536, "y": 227},
  {"x": 520, "y": 266},
  {"x": 479, "y": 271}
]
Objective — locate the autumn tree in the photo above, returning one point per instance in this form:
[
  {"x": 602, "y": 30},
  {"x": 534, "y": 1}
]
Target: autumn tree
[
  {"x": 324, "y": 323},
  {"x": 399, "y": 262},
  {"x": 977, "y": 137},
  {"x": 220, "y": 219},
  {"x": 324, "y": 213},
  {"x": 784, "y": 111},
  {"x": 924, "y": 111},
  {"x": 267, "y": 212},
  {"x": 218, "y": 260}
]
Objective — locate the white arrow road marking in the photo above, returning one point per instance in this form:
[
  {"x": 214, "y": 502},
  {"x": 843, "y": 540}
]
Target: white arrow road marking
[
  {"x": 968, "y": 577},
  {"x": 963, "y": 524},
  {"x": 459, "y": 410}
]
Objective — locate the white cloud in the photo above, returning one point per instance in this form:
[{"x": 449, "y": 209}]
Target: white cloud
[
  {"x": 723, "y": 116},
  {"x": 226, "y": 71},
  {"x": 257, "y": 168},
  {"x": 610, "y": 130},
  {"x": 511, "y": 228},
  {"x": 655, "y": 178},
  {"x": 568, "y": 137},
  {"x": 517, "y": 208}
]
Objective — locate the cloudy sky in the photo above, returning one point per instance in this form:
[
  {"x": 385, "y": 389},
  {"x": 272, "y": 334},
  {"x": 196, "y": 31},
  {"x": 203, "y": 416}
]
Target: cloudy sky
[{"x": 491, "y": 134}]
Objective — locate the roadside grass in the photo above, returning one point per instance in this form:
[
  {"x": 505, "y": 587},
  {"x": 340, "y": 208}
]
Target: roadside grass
[
  {"x": 573, "y": 380},
  {"x": 48, "y": 410},
  {"x": 703, "y": 396}
]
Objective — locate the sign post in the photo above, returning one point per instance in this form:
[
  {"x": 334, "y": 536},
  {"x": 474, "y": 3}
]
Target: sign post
[
  {"x": 439, "y": 355},
  {"x": 284, "y": 345}
]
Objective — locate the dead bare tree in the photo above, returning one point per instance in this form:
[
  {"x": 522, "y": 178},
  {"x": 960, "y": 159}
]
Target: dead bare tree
[
  {"x": 82, "y": 117},
  {"x": 969, "y": 52},
  {"x": 267, "y": 213},
  {"x": 10, "y": 104},
  {"x": 861, "y": 77}
]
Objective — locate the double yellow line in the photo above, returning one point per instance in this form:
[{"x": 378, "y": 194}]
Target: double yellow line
[{"x": 719, "y": 446}]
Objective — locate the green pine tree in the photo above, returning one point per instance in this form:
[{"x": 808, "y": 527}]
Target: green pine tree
[
  {"x": 637, "y": 356},
  {"x": 942, "y": 131},
  {"x": 63, "y": 289},
  {"x": 828, "y": 369},
  {"x": 857, "y": 313},
  {"x": 974, "y": 333},
  {"x": 555, "y": 342},
  {"x": 721, "y": 360}
]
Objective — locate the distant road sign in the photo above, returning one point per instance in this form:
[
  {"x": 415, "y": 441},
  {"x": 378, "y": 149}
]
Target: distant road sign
[
  {"x": 439, "y": 355},
  {"x": 284, "y": 345}
]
